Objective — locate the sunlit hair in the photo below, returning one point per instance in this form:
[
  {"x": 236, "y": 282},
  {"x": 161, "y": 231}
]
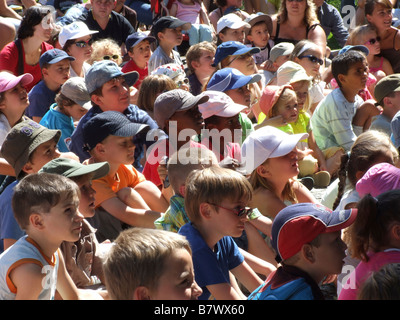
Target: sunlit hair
[{"x": 104, "y": 47}]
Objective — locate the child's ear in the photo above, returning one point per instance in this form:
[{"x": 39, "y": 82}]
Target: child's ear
[
  {"x": 36, "y": 221},
  {"x": 27, "y": 168},
  {"x": 308, "y": 253},
  {"x": 96, "y": 99},
  {"x": 342, "y": 78},
  {"x": 45, "y": 71},
  {"x": 141, "y": 293},
  {"x": 205, "y": 210},
  {"x": 395, "y": 231},
  {"x": 262, "y": 171},
  {"x": 249, "y": 37},
  {"x": 182, "y": 190},
  {"x": 195, "y": 64}
]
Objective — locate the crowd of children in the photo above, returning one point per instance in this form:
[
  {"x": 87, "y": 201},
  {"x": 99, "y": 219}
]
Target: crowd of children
[{"x": 177, "y": 160}]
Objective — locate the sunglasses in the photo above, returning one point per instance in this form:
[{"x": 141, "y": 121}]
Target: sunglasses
[
  {"x": 313, "y": 59},
  {"x": 373, "y": 40},
  {"x": 182, "y": 82},
  {"x": 109, "y": 57},
  {"x": 240, "y": 213},
  {"x": 83, "y": 44}
]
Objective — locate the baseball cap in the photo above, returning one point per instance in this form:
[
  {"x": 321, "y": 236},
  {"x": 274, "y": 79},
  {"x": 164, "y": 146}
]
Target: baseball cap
[
  {"x": 230, "y": 78},
  {"x": 103, "y": 71},
  {"x": 137, "y": 37},
  {"x": 75, "y": 89},
  {"x": 75, "y": 30},
  {"x": 171, "y": 70},
  {"x": 108, "y": 123},
  {"x": 386, "y": 85},
  {"x": 71, "y": 168},
  {"x": 219, "y": 104},
  {"x": 177, "y": 100},
  {"x": 281, "y": 49},
  {"x": 300, "y": 223},
  {"x": 53, "y": 56},
  {"x": 291, "y": 72},
  {"x": 378, "y": 179},
  {"x": 170, "y": 23},
  {"x": 361, "y": 48},
  {"x": 22, "y": 140},
  {"x": 267, "y": 142},
  {"x": 9, "y": 81},
  {"x": 232, "y": 48},
  {"x": 270, "y": 96},
  {"x": 255, "y": 18},
  {"x": 232, "y": 21}
]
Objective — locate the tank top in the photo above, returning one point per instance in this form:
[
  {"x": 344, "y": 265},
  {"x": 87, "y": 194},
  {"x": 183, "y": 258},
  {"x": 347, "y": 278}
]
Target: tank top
[
  {"x": 392, "y": 55},
  {"x": 189, "y": 13},
  {"x": 293, "y": 41}
]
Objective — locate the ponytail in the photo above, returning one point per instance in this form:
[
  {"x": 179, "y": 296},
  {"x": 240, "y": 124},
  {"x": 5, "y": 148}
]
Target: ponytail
[{"x": 342, "y": 175}]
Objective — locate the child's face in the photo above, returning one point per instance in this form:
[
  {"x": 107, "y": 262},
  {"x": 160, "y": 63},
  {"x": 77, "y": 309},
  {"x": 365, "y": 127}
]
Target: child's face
[
  {"x": 83, "y": 51},
  {"x": 356, "y": 77},
  {"x": 301, "y": 89},
  {"x": 232, "y": 35},
  {"x": 86, "y": 204},
  {"x": 230, "y": 123},
  {"x": 15, "y": 98},
  {"x": 282, "y": 168},
  {"x": 177, "y": 281},
  {"x": 280, "y": 61},
  {"x": 259, "y": 35},
  {"x": 119, "y": 150},
  {"x": 240, "y": 95},
  {"x": 244, "y": 63},
  {"x": 172, "y": 37},
  {"x": 141, "y": 53},
  {"x": 75, "y": 111},
  {"x": 188, "y": 119},
  {"x": 58, "y": 72},
  {"x": 371, "y": 42},
  {"x": 205, "y": 61},
  {"x": 288, "y": 110},
  {"x": 309, "y": 61},
  {"x": 115, "y": 95},
  {"x": 44, "y": 153}
]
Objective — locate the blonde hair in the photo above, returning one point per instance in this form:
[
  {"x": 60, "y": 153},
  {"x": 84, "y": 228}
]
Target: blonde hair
[
  {"x": 102, "y": 47},
  {"x": 357, "y": 35},
  {"x": 137, "y": 258},
  {"x": 283, "y": 100},
  {"x": 310, "y": 15},
  {"x": 194, "y": 53},
  {"x": 213, "y": 185}
]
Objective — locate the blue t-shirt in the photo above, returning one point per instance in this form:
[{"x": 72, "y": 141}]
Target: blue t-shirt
[
  {"x": 40, "y": 100},
  {"x": 56, "y": 120},
  {"x": 211, "y": 267}
]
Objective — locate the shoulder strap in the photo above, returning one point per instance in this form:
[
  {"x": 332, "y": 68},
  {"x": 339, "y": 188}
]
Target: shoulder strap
[{"x": 20, "y": 66}]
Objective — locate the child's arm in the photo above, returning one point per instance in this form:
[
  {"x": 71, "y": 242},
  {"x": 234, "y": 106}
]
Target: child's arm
[
  {"x": 173, "y": 10},
  {"x": 27, "y": 278},
  {"x": 225, "y": 291},
  {"x": 258, "y": 265},
  {"x": 153, "y": 197},
  {"x": 247, "y": 276},
  {"x": 317, "y": 151},
  {"x": 302, "y": 193}
]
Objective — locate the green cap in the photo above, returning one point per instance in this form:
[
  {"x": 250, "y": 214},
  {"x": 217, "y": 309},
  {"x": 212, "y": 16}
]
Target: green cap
[
  {"x": 71, "y": 168},
  {"x": 386, "y": 85}
]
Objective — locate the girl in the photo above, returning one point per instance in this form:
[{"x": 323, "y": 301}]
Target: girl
[
  {"x": 176, "y": 73},
  {"x": 271, "y": 161},
  {"x": 105, "y": 49},
  {"x": 374, "y": 239},
  {"x": 193, "y": 11}
]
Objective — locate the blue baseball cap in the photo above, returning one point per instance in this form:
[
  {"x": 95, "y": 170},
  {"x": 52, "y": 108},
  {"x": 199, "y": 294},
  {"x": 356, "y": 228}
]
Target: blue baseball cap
[
  {"x": 232, "y": 48},
  {"x": 103, "y": 71},
  {"x": 53, "y": 56},
  {"x": 135, "y": 38},
  {"x": 230, "y": 78},
  {"x": 361, "y": 48}
]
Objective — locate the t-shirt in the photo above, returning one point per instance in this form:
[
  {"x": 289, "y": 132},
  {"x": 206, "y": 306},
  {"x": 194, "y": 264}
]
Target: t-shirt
[
  {"x": 211, "y": 266},
  {"x": 160, "y": 57},
  {"x": 132, "y": 66},
  {"x": 40, "y": 100}
]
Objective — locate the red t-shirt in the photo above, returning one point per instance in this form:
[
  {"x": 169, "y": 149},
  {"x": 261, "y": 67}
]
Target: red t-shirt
[
  {"x": 9, "y": 62},
  {"x": 132, "y": 66}
]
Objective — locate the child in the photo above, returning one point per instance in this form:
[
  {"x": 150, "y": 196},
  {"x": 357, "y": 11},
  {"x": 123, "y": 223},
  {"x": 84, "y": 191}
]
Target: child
[
  {"x": 216, "y": 203},
  {"x": 231, "y": 28},
  {"x": 55, "y": 64},
  {"x": 176, "y": 73},
  {"x": 46, "y": 207},
  {"x": 307, "y": 241},
  {"x": 105, "y": 49},
  {"x": 270, "y": 158},
  {"x": 123, "y": 196},
  {"x": 194, "y": 12},
  {"x": 72, "y": 103},
  {"x": 373, "y": 239},
  {"x": 332, "y": 119},
  {"x": 168, "y": 32},
  {"x": 279, "y": 54},
  {"x": 138, "y": 47},
  {"x": 82, "y": 258},
  {"x": 145, "y": 264},
  {"x": 28, "y": 146},
  {"x": 258, "y": 36},
  {"x": 13, "y": 101},
  {"x": 199, "y": 58}
]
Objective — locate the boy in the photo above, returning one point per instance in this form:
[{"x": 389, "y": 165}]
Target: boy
[
  {"x": 333, "y": 117},
  {"x": 55, "y": 65},
  {"x": 215, "y": 202},
  {"x": 168, "y": 32},
  {"x": 278, "y": 56},
  {"x": 138, "y": 46},
  {"x": 45, "y": 206},
  {"x": 231, "y": 28},
  {"x": 145, "y": 264},
  {"x": 258, "y": 35},
  {"x": 123, "y": 196},
  {"x": 307, "y": 239},
  {"x": 199, "y": 59},
  {"x": 83, "y": 257}
]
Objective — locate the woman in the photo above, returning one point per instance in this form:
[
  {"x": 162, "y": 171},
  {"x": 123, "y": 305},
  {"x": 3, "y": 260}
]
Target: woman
[
  {"x": 379, "y": 14},
  {"x": 297, "y": 20},
  {"x": 22, "y": 56},
  {"x": 76, "y": 40}
]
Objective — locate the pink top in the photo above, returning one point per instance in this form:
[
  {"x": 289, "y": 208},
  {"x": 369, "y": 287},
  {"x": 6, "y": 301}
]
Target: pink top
[
  {"x": 364, "y": 269},
  {"x": 188, "y": 13},
  {"x": 364, "y": 93}
]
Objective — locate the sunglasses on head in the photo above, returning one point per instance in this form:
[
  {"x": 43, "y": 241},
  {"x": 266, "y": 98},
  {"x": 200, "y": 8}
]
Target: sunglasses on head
[
  {"x": 109, "y": 57},
  {"x": 83, "y": 44},
  {"x": 373, "y": 40},
  {"x": 240, "y": 213},
  {"x": 313, "y": 59}
]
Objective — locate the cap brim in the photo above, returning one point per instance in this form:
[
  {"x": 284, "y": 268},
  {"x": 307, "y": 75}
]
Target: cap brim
[
  {"x": 287, "y": 144},
  {"x": 98, "y": 170},
  {"x": 251, "y": 50},
  {"x": 247, "y": 80},
  {"x": 131, "y": 77},
  {"x": 341, "y": 219},
  {"x": 24, "y": 79},
  {"x": 149, "y": 38},
  {"x": 176, "y": 24},
  {"x": 259, "y": 18},
  {"x": 231, "y": 110},
  {"x": 190, "y": 103},
  {"x": 130, "y": 129},
  {"x": 58, "y": 59}
]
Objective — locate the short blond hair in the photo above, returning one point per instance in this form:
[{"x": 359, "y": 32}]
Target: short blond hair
[
  {"x": 214, "y": 185},
  {"x": 99, "y": 47},
  {"x": 137, "y": 258}
]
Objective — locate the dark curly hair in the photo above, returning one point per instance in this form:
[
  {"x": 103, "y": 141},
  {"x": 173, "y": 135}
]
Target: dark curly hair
[{"x": 33, "y": 17}]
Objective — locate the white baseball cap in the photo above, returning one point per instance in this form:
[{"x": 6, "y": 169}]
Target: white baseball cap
[
  {"x": 267, "y": 142},
  {"x": 219, "y": 104},
  {"x": 74, "y": 30},
  {"x": 232, "y": 21}
]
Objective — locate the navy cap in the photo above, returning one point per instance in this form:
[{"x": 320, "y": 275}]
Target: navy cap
[
  {"x": 361, "y": 48},
  {"x": 169, "y": 22},
  {"x": 109, "y": 123},
  {"x": 230, "y": 78},
  {"x": 135, "y": 38},
  {"x": 232, "y": 48},
  {"x": 53, "y": 56}
]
